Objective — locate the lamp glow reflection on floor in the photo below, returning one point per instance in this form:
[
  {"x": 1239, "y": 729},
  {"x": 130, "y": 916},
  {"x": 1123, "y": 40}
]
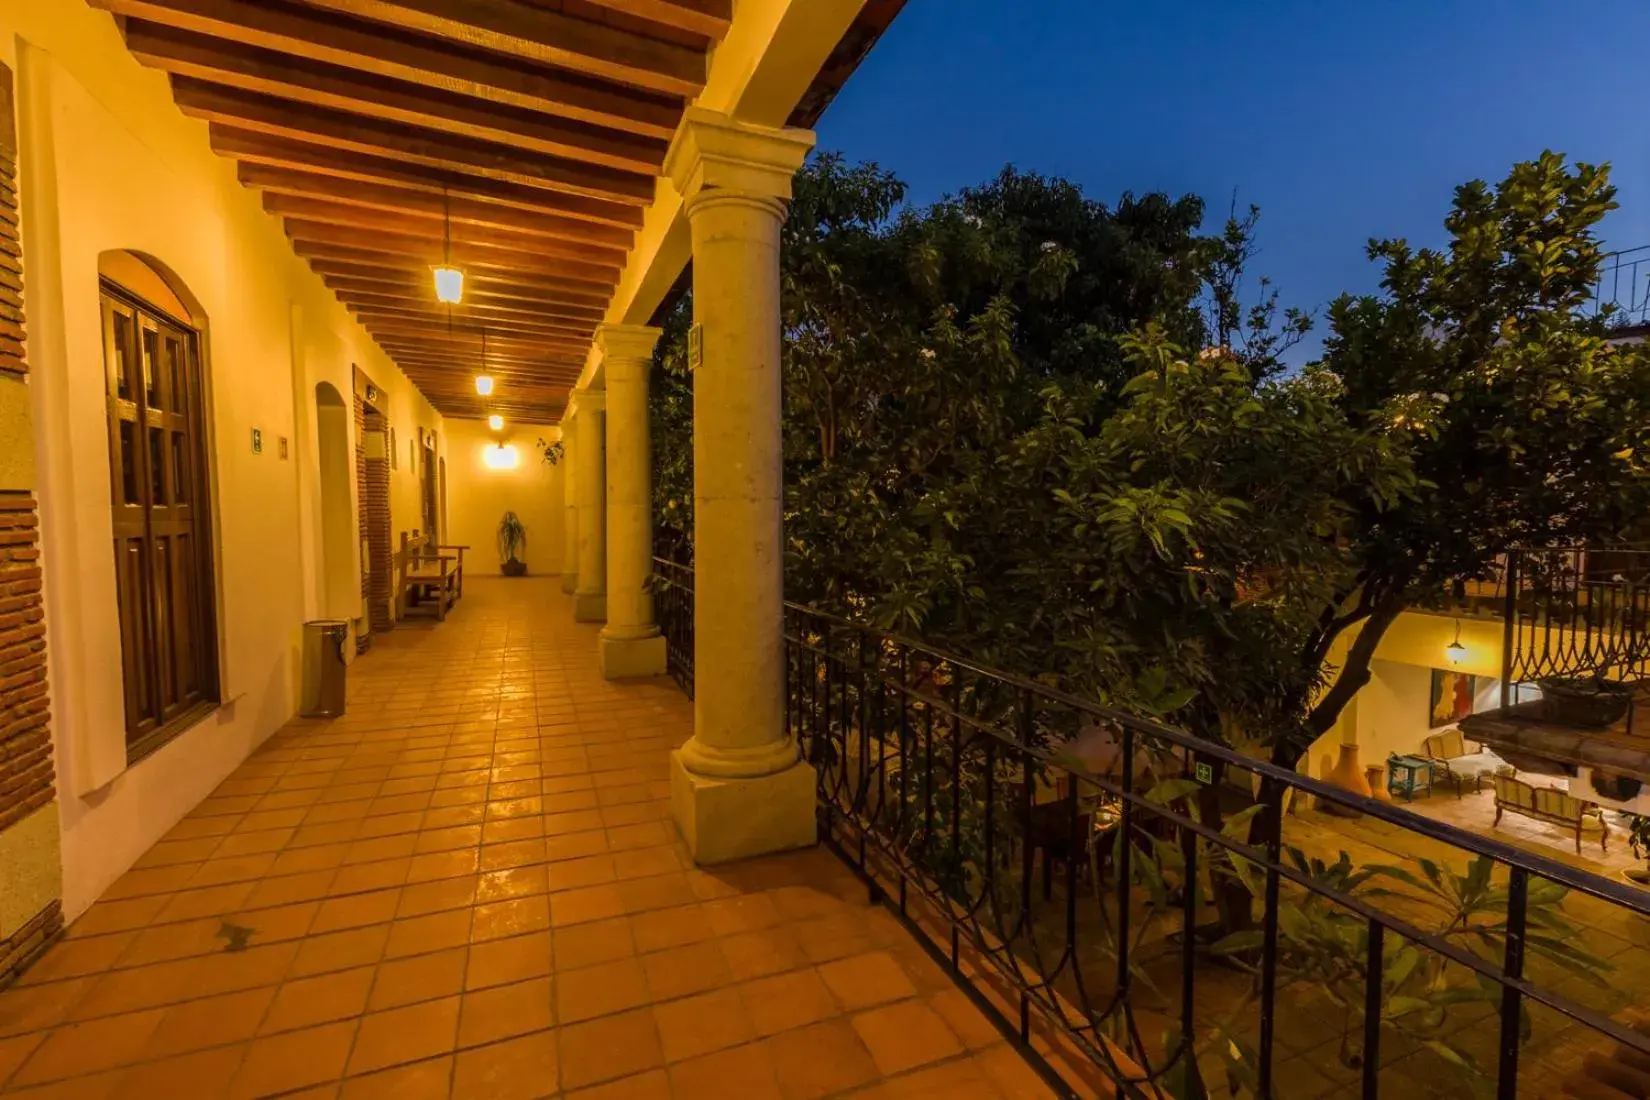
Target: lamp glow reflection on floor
[{"x": 502, "y": 456}]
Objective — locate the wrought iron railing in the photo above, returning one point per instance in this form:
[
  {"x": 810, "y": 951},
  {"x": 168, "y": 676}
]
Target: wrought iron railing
[
  {"x": 1624, "y": 287},
  {"x": 673, "y": 607},
  {"x": 1575, "y": 612},
  {"x": 1135, "y": 908}
]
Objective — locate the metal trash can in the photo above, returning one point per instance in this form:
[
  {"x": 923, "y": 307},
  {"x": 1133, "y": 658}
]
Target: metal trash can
[{"x": 324, "y": 641}]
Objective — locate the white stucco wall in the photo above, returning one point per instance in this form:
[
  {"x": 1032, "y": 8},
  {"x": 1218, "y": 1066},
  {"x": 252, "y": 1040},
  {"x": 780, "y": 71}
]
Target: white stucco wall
[
  {"x": 478, "y": 495},
  {"x": 107, "y": 162}
]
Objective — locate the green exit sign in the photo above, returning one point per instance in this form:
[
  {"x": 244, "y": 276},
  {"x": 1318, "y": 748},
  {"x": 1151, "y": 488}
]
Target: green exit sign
[{"x": 1205, "y": 772}]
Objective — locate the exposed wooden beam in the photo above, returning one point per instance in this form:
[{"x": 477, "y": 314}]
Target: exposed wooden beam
[
  {"x": 464, "y": 254},
  {"x": 523, "y": 30},
  {"x": 707, "y": 17},
  {"x": 502, "y": 328},
  {"x": 415, "y": 144},
  {"x": 424, "y": 335},
  {"x": 387, "y": 292},
  {"x": 385, "y": 267},
  {"x": 372, "y": 48},
  {"x": 269, "y": 150},
  {"x": 472, "y": 309},
  {"x": 419, "y": 225},
  {"x": 459, "y": 377},
  {"x": 405, "y": 200},
  {"x": 317, "y": 83}
]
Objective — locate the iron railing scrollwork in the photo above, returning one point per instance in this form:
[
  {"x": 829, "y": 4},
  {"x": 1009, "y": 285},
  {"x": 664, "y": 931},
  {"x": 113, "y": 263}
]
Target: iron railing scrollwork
[
  {"x": 1573, "y": 612},
  {"x": 1137, "y": 910}
]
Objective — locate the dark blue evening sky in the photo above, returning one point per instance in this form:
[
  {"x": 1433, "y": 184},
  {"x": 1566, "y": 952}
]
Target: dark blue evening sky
[{"x": 1342, "y": 120}]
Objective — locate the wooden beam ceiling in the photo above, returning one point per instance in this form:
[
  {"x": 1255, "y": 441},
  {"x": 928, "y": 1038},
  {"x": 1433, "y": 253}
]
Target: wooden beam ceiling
[
  {"x": 253, "y": 148},
  {"x": 450, "y": 65},
  {"x": 356, "y": 195},
  {"x": 709, "y": 18},
  {"x": 521, "y": 139},
  {"x": 629, "y": 180},
  {"x": 263, "y": 73},
  {"x": 321, "y": 212},
  {"x": 526, "y": 31}
]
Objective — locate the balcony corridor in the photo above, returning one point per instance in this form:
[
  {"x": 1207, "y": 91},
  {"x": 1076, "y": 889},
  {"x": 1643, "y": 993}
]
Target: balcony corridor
[{"x": 469, "y": 886}]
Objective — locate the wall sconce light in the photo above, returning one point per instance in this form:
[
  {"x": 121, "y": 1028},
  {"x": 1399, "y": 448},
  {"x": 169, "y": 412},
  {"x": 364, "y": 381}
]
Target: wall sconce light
[
  {"x": 1455, "y": 652},
  {"x": 501, "y": 456},
  {"x": 484, "y": 385},
  {"x": 496, "y": 422}
]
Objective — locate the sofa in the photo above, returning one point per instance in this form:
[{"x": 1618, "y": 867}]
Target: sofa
[{"x": 1551, "y": 805}]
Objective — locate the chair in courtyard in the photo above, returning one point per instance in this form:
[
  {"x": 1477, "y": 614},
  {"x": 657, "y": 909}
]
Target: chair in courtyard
[{"x": 1450, "y": 760}]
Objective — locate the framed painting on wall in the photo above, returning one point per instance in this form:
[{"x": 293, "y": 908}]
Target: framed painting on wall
[{"x": 1451, "y": 697}]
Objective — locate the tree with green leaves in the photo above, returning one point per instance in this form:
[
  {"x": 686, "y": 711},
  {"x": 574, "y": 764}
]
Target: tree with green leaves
[{"x": 1049, "y": 434}]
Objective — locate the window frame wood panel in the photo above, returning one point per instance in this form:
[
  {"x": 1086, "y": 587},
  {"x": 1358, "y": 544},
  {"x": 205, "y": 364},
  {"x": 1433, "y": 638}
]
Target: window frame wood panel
[{"x": 159, "y": 484}]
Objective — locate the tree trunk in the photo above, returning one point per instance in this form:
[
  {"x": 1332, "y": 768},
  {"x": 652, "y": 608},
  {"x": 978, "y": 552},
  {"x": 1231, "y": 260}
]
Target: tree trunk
[{"x": 1353, "y": 675}]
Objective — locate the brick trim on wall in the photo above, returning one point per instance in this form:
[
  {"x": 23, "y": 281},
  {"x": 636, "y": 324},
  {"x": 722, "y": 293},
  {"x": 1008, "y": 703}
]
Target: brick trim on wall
[
  {"x": 363, "y": 637},
  {"x": 28, "y": 782},
  {"x": 12, "y": 360},
  {"x": 375, "y": 510}
]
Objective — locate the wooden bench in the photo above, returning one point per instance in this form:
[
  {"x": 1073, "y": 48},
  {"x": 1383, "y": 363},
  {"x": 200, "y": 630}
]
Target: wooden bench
[
  {"x": 1551, "y": 805},
  {"x": 427, "y": 573}
]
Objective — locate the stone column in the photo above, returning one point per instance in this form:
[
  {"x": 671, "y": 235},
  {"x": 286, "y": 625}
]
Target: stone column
[
  {"x": 737, "y": 787},
  {"x": 590, "y": 598},
  {"x": 631, "y": 644},
  {"x": 570, "y": 498}
]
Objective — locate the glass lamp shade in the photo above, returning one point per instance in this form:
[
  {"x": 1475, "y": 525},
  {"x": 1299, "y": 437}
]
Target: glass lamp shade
[
  {"x": 484, "y": 385},
  {"x": 449, "y": 284},
  {"x": 502, "y": 456},
  {"x": 496, "y": 422}
]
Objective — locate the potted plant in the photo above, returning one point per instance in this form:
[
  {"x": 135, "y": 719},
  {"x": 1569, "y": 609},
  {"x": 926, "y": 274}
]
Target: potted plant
[
  {"x": 512, "y": 537},
  {"x": 1638, "y": 837},
  {"x": 1591, "y": 702}
]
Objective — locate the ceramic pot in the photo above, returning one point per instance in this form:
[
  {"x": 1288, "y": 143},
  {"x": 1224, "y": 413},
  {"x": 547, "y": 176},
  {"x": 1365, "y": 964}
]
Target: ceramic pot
[
  {"x": 1347, "y": 775},
  {"x": 1375, "y": 778}
]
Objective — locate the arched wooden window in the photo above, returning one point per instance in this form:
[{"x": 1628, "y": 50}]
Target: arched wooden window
[{"x": 162, "y": 533}]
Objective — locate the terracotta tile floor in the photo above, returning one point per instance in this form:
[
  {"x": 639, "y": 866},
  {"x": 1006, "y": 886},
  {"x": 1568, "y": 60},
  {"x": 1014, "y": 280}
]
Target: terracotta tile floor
[{"x": 470, "y": 887}]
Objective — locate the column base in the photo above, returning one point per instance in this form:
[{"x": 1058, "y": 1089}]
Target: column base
[
  {"x": 569, "y": 583},
  {"x": 590, "y": 607},
  {"x": 626, "y": 657},
  {"x": 727, "y": 819}
]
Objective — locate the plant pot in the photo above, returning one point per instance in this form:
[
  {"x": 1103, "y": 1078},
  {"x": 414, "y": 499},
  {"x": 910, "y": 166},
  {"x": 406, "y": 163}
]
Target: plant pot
[
  {"x": 1348, "y": 775},
  {"x": 1638, "y": 876},
  {"x": 513, "y": 568},
  {"x": 1375, "y": 776},
  {"x": 1589, "y": 704}
]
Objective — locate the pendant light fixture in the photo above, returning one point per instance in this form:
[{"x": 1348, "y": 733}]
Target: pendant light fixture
[
  {"x": 449, "y": 280},
  {"x": 484, "y": 381},
  {"x": 495, "y": 422},
  {"x": 1455, "y": 652}
]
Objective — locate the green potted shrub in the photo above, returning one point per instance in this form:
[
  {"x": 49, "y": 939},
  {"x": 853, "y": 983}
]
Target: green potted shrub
[{"x": 512, "y": 538}]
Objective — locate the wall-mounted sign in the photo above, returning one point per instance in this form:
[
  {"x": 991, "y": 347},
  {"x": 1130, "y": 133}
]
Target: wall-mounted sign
[
  {"x": 282, "y": 448},
  {"x": 257, "y": 441},
  {"x": 696, "y": 346}
]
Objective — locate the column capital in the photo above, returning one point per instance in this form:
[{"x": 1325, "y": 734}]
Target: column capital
[
  {"x": 587, "y": 400},
  {"x": 712, "y": 149},
  {"x": 627, "y": 341}
]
